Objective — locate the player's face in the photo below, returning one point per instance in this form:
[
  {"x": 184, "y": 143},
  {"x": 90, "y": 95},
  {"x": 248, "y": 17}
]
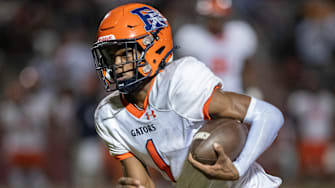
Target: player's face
[{"x": 124, "y": 62}]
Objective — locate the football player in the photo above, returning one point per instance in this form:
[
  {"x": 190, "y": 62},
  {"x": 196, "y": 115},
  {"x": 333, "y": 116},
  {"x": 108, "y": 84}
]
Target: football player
[
  {"x": 157, "y": 104},
  {"x": 225, "y": 45}
]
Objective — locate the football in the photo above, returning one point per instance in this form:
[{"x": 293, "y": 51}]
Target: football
[{"x": 229, "y": 133}]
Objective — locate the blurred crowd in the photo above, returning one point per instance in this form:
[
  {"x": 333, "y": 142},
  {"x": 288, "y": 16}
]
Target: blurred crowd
[{"x": 49, "y": 88}]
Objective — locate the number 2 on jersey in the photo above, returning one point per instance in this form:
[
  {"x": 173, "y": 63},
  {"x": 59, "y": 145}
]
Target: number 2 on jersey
[{"x": 151, "y": 148}]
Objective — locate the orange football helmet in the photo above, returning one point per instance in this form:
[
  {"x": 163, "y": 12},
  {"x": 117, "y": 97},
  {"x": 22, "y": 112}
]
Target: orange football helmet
[
  {"x": 214, "y": 8},
  {"x": 139, "y": 28}
]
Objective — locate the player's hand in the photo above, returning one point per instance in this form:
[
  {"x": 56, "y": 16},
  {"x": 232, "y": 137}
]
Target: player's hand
[
  {"x": 127, "y": 182},
  {"x": 223, "y": 169}
]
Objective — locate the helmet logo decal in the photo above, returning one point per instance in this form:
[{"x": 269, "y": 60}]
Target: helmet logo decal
[{"x": 152, "y": 19}]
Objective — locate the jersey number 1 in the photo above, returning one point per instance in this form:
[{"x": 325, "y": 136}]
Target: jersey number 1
[{"x": 151, "y": 148}]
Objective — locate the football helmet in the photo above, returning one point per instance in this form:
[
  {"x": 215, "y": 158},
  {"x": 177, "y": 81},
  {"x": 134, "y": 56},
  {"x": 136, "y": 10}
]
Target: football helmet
[
  {"x": 144, "y": 34},
  {"x": 214, "y": 8}
]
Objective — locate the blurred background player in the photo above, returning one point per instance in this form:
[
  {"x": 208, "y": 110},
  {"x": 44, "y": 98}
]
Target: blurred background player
[
  {"x": 312, "y": 108},
  {"x": 24, "y": 116},
  {"x": 225, "y": 45}
]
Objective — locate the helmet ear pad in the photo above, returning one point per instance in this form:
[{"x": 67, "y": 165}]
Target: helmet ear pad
[{"x": 155, "y": 54}]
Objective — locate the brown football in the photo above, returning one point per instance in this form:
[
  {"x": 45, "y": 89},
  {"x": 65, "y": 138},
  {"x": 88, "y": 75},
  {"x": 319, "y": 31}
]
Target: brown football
[{"x": 229, "y": 133}]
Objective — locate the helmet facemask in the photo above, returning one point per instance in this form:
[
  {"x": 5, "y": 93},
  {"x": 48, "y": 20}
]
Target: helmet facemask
[{"x": 123, "y": 75}]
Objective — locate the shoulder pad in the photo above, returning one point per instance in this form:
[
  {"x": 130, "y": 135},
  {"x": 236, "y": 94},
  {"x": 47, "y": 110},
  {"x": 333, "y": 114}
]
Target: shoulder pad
[{"x": 108, "y": 107}]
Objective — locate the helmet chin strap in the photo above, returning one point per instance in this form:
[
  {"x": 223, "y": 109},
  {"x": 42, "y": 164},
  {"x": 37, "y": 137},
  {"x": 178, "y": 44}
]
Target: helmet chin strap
[{"x": 130, "y": 85}]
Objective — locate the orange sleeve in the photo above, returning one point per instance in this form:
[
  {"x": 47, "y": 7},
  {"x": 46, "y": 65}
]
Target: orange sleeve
[
  {"x": 206, "y": 106},
  {"x": 124, "y": 156}
]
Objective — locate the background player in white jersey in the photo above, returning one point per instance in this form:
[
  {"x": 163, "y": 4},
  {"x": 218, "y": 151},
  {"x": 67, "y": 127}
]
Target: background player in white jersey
[
  {"x": 225, "y": 45},
  {"x": 158, "y": 104}
]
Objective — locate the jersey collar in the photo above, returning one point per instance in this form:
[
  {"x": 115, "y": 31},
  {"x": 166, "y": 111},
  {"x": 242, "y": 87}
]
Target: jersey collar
[{"x": 131, "y": 108}]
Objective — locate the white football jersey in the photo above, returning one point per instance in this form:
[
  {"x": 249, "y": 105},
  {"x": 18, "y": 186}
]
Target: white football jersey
[
  {"x": 224, "y": 56},
  {"x": 160, "y": 134}
]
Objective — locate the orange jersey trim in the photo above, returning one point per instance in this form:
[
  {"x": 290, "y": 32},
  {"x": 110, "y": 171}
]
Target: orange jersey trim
[
  {"x": 206, "y": 106},
  {"x": 132, "y": 109},
  {"x": 151, "y": 148},
  {"x": 124, "y": 156}
]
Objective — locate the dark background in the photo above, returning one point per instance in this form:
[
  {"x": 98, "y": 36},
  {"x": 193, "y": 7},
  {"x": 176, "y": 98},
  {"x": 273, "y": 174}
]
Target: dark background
[{"x": 49, "y": 88}]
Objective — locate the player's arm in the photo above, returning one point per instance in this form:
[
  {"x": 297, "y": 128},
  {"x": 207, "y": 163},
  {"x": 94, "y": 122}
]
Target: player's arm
[
  {"x": 265, "y": 120},
  {"x": 228, "y": 104},
  {"x": 135, "y": 175}
]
